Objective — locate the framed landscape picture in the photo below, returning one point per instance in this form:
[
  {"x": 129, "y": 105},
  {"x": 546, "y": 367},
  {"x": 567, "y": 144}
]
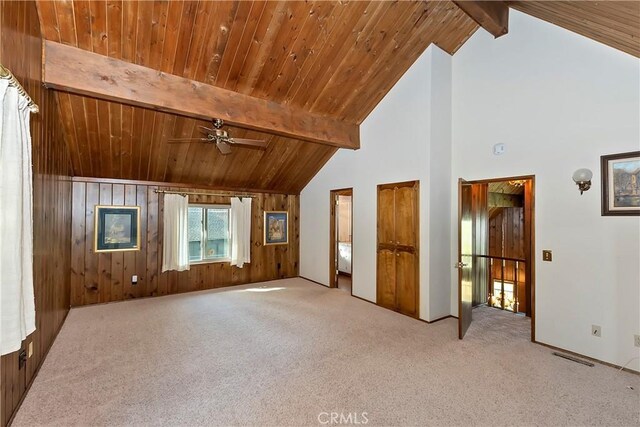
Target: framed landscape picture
[
  {"x": 117, "y": 228},
  {"x": 621, "y": 184},
  {"x": 276, "y": 227}
]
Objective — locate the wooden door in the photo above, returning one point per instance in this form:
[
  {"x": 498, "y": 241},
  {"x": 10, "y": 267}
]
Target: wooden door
[
  {"x": 386, "y": 264},
  {"x": 398, "y": 262},
  {"x": 386, "y": 216},
  {"x": 529, "y": 251},
  {"x": 386, "y": 274},
  {"x": 465, "y": 257},
  {"x": 480, "y": 220},
  {"x": 406, "y": 282},
  {"x": 405, "y": 208}
]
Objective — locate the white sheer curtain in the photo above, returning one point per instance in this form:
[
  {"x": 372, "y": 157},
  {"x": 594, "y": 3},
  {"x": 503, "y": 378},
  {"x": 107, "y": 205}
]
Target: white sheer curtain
[
  {"x": 17, "y": 308},
  {"x": 240, "y": 224},
  {"x": 175, "y": 241}
]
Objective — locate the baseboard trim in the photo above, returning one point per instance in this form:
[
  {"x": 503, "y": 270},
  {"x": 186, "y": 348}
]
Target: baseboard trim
[
  {"x": 388, "y": 309},
  {"x": 355, "y": 296},
  {"x": 441, "y": 318},
  {"x": 315, "y": 283},
  {"x": 371, "y": 302},
  {"x": 591, "y": 359},
  {"x": 37, "y": 371},
  {"x": 231, "y": 285}
]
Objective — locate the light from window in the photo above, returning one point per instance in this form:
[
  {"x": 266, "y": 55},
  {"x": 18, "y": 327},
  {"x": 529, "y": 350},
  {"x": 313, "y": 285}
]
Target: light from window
[{"x": 209, "y": 233}]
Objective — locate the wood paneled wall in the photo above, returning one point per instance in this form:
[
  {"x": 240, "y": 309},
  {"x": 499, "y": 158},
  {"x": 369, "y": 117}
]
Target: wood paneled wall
[
  {"x": 20, "y": 51},
  {"x": 510, "y": 222},
  {"x": 106, "y": 277},
  {"x": 507, "y": 239}
]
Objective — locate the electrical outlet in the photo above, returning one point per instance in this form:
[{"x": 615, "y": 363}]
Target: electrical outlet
[
  {"x": 636, "y": 340},
  {"x": 547, "y": 255},
  {"x": 134, "y": 279},
  {"x": 596, "y": 331}
]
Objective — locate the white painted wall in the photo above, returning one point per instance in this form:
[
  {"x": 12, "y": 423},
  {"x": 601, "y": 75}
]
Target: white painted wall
[
  {"x": 558, "y": 101},
  {"x": 397, "y": 140}
]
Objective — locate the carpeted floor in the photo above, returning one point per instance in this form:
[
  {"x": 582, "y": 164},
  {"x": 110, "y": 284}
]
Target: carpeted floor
[
  {"x": 344, "y": 283},
  {"x": 281, "y": 353}
]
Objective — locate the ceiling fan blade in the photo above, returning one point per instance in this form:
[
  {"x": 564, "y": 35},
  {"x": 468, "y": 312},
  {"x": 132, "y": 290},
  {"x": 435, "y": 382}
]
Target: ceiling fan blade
[
  {"x": 206, "y": 129},
  {"x": 258, "y": 144},
  {"x": 223, "y": 147},
  {"x": 183, "y": 140}
]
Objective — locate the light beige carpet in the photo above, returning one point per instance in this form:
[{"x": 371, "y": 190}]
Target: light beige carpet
[{"x": 291, "y": 352}]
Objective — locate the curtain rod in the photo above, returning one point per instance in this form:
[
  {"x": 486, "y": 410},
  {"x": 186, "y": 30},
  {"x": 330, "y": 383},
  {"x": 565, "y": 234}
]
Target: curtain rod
[
  {"x": 194, "y": 193},
  {"x": 7, "y": 75}
]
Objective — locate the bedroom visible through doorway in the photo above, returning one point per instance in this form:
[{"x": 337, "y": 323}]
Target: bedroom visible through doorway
[{"x": 341, "y": 239}]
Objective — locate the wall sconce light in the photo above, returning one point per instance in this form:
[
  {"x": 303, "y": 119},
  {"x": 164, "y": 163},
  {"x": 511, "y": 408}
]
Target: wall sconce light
[{"x": 582, "y": 177}]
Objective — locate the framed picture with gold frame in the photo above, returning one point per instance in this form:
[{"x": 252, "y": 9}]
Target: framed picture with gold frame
[
  {"x": 117, "y": 228},
  {"x": 276, "y": 227}
]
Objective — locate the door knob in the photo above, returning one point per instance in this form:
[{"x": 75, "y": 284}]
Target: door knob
[{"x": 460, "y": 265}]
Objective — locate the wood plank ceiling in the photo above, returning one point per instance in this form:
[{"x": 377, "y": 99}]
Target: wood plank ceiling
[
  {"x": 335, "y": 59},
  {"x": 505, "y": 188},
  {"x": 614, "y": 23}
]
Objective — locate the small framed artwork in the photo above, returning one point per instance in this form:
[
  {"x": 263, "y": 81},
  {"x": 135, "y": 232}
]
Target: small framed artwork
[
  {"x": 276, "y": 227},
  {"x": 117, "y": 228},
  {"x": 621, "y": 184}
]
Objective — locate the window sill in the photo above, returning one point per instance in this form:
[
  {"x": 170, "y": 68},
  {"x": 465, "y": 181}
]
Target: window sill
[{"x": 210, "y": 261}]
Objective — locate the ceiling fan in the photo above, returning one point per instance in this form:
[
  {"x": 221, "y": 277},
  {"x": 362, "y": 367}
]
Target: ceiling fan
[{"x": 221, "y": 139}]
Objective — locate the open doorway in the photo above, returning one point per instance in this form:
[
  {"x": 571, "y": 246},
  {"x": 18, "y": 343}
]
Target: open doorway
[
  {"x": 341, "y": 244},
  {"x": 496, "y": 249}
]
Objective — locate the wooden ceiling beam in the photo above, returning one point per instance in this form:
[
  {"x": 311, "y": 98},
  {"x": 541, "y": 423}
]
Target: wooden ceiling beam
[
  {"x": 493, "y": 16},
  {"x": 78, "y": 71}
]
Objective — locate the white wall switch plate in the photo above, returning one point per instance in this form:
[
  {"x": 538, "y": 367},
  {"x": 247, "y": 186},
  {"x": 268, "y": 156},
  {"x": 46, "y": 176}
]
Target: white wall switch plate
[{"x": 596, "y": 331}]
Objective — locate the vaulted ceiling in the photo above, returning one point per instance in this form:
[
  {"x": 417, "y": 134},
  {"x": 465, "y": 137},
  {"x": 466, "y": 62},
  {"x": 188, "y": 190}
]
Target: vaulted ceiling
[
  {"x": 335, "y": 59},
  {"x": 614, "y": 23},
  {"x": 332, "y": 59}
]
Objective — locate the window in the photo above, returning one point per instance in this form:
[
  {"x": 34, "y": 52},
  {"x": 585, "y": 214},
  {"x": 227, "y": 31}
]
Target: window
[
  {"x": 209, "y": 235},
  {"x": 504, "y": 290}
]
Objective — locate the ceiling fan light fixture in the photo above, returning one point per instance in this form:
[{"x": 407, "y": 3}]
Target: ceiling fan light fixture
[
  {"x": 221, "y": 138},
  {"x": 517, "y": 182},
  {"x": 223, "y": 147},
  {"x": 217, "y": 123}
]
